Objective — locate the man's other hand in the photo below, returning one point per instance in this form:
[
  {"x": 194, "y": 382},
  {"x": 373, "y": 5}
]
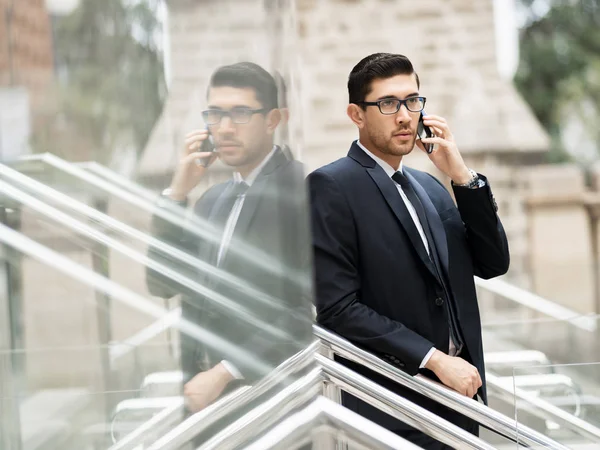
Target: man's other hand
[
  {"x": 206, "y": 387},
  {"x": 456, "y": 373}
]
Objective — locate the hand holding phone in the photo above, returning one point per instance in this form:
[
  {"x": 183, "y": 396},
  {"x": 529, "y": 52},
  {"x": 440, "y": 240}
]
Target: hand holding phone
[
  {"x": 208, "y": 146},
  {"x": 193, "y": 163},
  {"x": 423, "y": 132}
]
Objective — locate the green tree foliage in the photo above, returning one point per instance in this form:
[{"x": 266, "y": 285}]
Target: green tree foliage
[
  {"x": 110, "y": 80},
  {"x": 559, "y": 69}
]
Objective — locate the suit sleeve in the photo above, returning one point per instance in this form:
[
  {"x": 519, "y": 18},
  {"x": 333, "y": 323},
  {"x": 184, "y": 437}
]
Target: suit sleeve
[
  {"x": 338, "y": 284},
  {"x": 173, "y": 235},
  {"x": 485, "y": 234}
]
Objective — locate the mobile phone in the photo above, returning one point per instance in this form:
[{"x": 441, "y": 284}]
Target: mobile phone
[
  {"x": 208, "y": 146},
  {"x": 424, "y": 131}
]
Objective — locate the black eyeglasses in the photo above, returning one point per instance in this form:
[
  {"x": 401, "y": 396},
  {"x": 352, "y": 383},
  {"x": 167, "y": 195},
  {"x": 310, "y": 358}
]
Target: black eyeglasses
[
  {"x": 237, "y": 115},
  {"x": 389, "y": 106}
]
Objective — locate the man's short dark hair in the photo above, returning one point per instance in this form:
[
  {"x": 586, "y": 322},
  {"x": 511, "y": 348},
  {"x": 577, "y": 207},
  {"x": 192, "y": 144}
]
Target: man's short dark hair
[
  {"x": 376, "y": 67},
  {"x": 248, "y": 75}
]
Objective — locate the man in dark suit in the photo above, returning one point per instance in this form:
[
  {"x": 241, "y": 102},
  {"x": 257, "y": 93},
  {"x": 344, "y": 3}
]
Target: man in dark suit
[
  {"x": 394, "y": 257},
  {"x": 258, "y": 223}
]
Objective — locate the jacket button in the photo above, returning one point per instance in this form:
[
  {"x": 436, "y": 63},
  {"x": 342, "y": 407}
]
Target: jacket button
[{"x": 439, "y": 301}]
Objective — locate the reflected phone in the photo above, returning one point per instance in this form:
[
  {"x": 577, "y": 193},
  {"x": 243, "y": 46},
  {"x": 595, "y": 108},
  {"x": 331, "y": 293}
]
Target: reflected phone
[
  {"x": 208, "y": 146},
  {"x": 424, "y": 131}
]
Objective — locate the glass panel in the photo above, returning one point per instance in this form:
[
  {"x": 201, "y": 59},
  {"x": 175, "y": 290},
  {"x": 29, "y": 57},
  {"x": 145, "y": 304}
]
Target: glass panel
[
  {"x": 542, "y": 393},
  {"x": 59, "y": 398},
  {"x": 539, "y": 331},
  {"x": 217, "y": 291}
]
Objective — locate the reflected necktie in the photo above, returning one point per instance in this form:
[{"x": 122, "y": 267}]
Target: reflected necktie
[{"x": 229, "y": 215}]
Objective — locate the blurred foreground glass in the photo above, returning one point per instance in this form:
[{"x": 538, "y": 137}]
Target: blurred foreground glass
[
  {"x": 572, "y": 389},
  {"x": 115, "y": 138}
]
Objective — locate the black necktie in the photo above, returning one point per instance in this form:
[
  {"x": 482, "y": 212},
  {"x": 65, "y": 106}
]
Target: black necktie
[{"x": 407, "y": 188}]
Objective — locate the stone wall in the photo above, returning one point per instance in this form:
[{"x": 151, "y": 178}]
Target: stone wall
[{"x": 26, "y": 53}]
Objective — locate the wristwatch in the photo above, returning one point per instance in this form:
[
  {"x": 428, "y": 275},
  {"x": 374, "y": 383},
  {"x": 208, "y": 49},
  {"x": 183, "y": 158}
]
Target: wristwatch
[
  {"x": 166, "y": 196},
  {"x": 474, "y": 182}
]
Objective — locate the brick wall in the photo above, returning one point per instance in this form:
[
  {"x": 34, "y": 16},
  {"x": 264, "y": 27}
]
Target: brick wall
[{"x": 26, "y": 56}]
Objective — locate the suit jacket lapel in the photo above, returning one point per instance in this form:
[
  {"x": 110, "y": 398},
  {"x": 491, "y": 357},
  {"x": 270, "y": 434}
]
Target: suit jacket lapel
[
  {"x": 435, "y": 223},
  {"x": 256, "y": 193},
  {"x": 216, "y": 226},
  {"x": 392, "y": 197}
]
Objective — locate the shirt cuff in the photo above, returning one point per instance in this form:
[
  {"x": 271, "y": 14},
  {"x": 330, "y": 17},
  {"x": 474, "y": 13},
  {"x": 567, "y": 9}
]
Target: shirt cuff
[
  {"x": 235, "y": 373},
  {"x": 427, "y": 358}
]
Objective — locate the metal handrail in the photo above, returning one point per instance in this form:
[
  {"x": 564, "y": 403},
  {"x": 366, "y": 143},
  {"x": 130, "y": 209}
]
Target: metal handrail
[
  {"x": 86, "y": 230},
  {"x": 195, "y": 424},
  {"x": 39, "y": 252},
  {"x": 117, "y": 179},
  {"x": 267, "y": 414},
  {"x": 176, "y": 215},
  {"x": 304, "y": 390},
  {"x": 486, "y": 416},
  {"x": 55, "y": 197},
  {"x": 323, "y": 411},
  {"x": 400, "y": 408}
]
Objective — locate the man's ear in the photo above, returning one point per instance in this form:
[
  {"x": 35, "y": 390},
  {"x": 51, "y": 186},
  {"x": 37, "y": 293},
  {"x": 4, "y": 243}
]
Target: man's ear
[
  {"x": 273, "y": 118},
  {"x": 356, "y": 114},
  {"x": 285, "y": 115}
]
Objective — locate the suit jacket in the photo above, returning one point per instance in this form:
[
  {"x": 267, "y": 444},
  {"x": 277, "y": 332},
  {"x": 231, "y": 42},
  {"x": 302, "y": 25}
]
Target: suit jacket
[
  {"x": 267, "y": 255},
  {"x": 376, "y": 289}
]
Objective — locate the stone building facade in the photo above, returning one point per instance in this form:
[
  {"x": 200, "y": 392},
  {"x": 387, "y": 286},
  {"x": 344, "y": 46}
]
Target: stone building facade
[
  {"x": 315, "y": 44},
  {"x": 26, "y": 53}
]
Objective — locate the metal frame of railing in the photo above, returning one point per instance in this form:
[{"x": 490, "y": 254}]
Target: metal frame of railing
[
  {"x": 365, "y": 389},
  {"x": 486, "y": 416},
  {"x": 545, "y": 410},
  {"x": 304, "y": 390},
  {"x": 200, "y": 421},
  {"x": 326, "y": 418},
  {"x": 53, "y": 196},
  {"x": 43, "y": 254},
  {"x": 173, "y": 214},
  {"x": 91, "y": 233}
]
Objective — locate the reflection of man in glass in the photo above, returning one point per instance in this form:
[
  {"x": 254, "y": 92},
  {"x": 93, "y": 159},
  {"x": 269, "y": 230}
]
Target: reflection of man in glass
[{"x": 257, "y": 220}]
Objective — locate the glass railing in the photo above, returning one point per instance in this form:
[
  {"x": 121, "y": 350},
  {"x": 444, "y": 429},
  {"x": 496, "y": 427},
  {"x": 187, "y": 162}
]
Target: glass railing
[
  {"x": 572, "y": 389},
  {"x": 75, "y": 303},
  {"x": 65, "y": 397}
]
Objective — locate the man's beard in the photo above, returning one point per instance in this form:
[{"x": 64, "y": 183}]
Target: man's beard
[{"x": 387, "y": 146}]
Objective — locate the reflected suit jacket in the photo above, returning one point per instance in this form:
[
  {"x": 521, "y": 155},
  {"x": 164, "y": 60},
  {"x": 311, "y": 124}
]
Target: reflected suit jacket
[
  {"x": 375, "y": 288},
  {"x": 267, "y": 255}
]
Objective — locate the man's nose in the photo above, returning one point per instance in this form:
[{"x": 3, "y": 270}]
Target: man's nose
[
  {"x": 226, "y": 126},
  {"x": 403, "y": 115}
]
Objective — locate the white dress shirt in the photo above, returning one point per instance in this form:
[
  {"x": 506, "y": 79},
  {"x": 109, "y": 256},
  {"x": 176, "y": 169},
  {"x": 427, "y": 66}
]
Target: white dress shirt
[
  {"x": 389, "y": 170},
  {"x": 234, "y": 215}
]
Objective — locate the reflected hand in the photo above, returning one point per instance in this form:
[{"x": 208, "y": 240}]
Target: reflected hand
[
  {"x": 445, "y": 155},
  {"x": 456, "y": 373},
  {"x": 189, "y": 172},
  {"x": 206, "y": 387}
]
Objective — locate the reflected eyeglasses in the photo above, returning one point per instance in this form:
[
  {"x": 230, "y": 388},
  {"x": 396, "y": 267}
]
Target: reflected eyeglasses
[{"x": 237, "y": 115}]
